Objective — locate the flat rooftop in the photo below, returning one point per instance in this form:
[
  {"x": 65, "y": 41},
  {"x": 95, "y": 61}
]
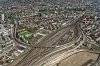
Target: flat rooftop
[{"x": 78, "y": 59}]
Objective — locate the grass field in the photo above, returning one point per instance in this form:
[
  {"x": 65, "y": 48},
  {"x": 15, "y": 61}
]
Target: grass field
[{"x": 28, "y": 34}]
